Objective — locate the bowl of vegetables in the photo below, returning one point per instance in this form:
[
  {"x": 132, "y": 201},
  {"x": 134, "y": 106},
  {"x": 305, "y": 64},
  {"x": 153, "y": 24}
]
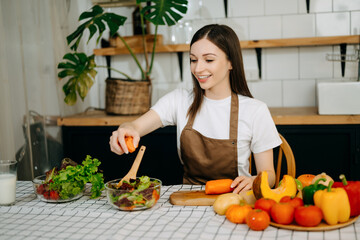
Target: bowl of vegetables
[
  {"x": 68, "y": 182},
  {"x": 137, "y": 194}
]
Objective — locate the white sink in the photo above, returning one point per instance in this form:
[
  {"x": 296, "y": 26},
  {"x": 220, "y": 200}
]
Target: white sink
[{"x": 338, "y": 98}]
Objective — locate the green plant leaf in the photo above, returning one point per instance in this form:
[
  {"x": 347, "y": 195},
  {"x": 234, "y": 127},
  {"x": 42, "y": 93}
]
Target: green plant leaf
[
  {"x": 81, "y": 72},
  {"x": 161, "y": 11},
  {"x": 95, "y": 19}
]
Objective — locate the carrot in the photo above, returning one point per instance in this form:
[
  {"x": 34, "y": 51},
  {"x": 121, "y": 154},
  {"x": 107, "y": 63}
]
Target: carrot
[
  {"x": 130, "y": 144},
  {"x": 218, "y": 186}
]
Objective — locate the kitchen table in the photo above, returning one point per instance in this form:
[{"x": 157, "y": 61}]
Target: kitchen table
[{"x": 88, "y": 218}]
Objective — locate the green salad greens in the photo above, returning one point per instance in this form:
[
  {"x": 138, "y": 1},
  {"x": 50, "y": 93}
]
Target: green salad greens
[
  {"x": 71, "y": 180},
  {"x": 142, "y": 192}
]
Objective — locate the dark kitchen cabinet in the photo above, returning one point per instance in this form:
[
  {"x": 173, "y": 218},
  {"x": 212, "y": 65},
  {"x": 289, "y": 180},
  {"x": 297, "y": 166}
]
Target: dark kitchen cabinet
[
  {"x": 160, "y": 158},
  {"x": 334, "y": 149}
]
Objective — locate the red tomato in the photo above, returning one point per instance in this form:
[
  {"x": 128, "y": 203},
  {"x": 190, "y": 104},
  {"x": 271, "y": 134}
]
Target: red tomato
[
  {"x": 257, "y": 219},
  {"x": 308, "y": 216},
  {"x": 295, "y": 201},
  {"x": 264, "y": 204},
  {"x": 282, "y": 213}
]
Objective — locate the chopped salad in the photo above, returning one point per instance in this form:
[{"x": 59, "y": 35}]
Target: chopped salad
[{"x": 139, "y": 193}]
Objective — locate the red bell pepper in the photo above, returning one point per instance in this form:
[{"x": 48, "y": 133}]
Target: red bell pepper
[{"x": 352, "y": 189}]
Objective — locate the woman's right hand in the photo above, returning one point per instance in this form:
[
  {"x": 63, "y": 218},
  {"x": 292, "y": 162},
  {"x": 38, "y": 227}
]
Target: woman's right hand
[{"x": 117, "y": 139}]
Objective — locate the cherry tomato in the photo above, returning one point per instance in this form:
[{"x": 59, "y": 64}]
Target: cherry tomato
[
  {"x": 295, "y": 201},
  {"x": 264, "y": 204},
  {"x": 282, "y": 213},
  {"x": 308, "y": 216},
  {"x": 257, "y": 219}
]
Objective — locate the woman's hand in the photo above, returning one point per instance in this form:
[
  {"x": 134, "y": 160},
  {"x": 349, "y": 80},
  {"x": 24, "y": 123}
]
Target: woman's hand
[
  {"x": 117, "y": 139},
  {"x": 143, "y": 125},
  {"x": 242, "y": 183}
]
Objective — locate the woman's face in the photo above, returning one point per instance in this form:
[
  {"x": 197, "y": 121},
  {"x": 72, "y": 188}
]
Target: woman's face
[{"x": 211, "y": 68}]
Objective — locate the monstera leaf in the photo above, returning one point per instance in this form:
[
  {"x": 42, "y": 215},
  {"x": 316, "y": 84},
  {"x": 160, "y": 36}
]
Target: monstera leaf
[
  {"x": 96, "y": 19},
  {"x": 80, "y": 69},
  {"x": 160, "y": 11}
]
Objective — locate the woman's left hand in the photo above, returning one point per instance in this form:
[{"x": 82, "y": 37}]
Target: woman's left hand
[{"x": 242, "y": 183}]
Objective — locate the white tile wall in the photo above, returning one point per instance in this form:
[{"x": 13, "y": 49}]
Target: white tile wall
[
  {"x": 239, "y": 25},
  {"x": 355, "y": 23},
  {"x": 265, "y": 27},
  {"x": 299, "y": 93},
  {"x": 346, "y": 5},
  {"x": 281, "y": 63},
  {"x": 296, "y": 26},
  {"x": 246, "y": 8},
  {"x": 318, "y": 6},
  {"x": 276, "y": 7},
  {"x": 332, "y": 24},
  {"x": 313, "y": 63},
  {"x": 212, "y": 8},
  {"x": 289, "y": 75},
  {"x": 269, "y": 92}
]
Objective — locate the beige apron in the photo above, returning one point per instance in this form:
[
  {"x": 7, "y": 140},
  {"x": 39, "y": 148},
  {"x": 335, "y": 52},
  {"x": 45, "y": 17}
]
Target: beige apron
[{"x": 207, "y": 158}]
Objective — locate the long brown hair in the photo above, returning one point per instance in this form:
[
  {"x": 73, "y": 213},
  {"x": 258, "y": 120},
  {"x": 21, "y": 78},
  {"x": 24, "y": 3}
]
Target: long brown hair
[{"x": 225, "y": 39}]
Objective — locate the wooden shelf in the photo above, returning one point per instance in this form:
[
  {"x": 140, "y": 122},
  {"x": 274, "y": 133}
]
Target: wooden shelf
[
  {"x": 269, "y": 43},
  {"x": 281, "y": 116}
]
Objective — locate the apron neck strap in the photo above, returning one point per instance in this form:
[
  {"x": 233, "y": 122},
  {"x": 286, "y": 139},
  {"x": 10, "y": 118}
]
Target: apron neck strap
[{"x": 234, "y": 114}]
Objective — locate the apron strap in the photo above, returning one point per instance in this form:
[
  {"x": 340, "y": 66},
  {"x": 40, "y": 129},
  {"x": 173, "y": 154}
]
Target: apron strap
[{"x": 234, "y": 114}]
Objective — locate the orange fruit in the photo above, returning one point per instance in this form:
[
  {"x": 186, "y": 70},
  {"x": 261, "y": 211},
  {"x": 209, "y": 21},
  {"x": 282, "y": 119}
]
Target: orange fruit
[
  {"x": 306, "y": 179},
  {"x": 237, "y": 213}
]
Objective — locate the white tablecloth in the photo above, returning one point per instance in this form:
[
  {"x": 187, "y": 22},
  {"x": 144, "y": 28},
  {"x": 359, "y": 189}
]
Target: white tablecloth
[{"x": 88, "y": 218}]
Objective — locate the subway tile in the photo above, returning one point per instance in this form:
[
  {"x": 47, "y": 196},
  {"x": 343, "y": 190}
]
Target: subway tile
[
  {"x": 276, "y": 7},
  {"x": 250, "y": 64},
  {"x": 160, "y": 89},
  {"x": 269, "y": 92},
  {"x": 348, "y": 5},
  {"x": 245, "y": 8},
  {"x": 265, "y": 27},
  {"x": 169, "y": 74},
  {"x": 193, "y": 10},
  {"x": 332, "y": 24},
  {"x": 239, "y": 25},
  {"x": 297, "y": 26},
  {"x": 281, "y": 63},
  {"x": 313, "y": 63},
  {"x": 355, "y": 23},
  {"x": 316, "y": 6},
  {"x": 299, "y": 93},
  {"x": 212, "y": 9},
  {"x": 196, "y": 25}
]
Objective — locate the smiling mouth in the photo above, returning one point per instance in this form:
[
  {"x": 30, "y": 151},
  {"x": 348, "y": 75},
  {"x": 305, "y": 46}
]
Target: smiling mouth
[{"x": 203, "y": 78}]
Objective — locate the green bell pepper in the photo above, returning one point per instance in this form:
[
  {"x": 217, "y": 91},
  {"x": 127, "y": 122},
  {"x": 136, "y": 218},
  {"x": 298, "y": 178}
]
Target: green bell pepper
[{"x": 309, "y": 191}]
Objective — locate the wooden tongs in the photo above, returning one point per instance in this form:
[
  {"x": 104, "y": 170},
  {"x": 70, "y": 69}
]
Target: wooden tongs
[{"x": 134, "y": 168}]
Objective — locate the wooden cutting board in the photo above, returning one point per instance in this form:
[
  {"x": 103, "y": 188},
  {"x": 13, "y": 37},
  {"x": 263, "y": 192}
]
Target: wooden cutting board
[{"x": 192, "y": 198}]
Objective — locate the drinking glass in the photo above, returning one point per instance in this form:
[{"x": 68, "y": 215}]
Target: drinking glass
[{"x": 7, "y": 182}]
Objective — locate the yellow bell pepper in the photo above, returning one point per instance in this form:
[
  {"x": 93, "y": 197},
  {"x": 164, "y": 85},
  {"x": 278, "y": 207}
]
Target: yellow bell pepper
[{"x": 334, "y": 204}]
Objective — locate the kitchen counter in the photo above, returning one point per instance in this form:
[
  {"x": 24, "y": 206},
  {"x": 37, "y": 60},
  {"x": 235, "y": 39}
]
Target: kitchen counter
[
  {"x": 281, "y": 116},
  {"x": 86, "y": 218}
]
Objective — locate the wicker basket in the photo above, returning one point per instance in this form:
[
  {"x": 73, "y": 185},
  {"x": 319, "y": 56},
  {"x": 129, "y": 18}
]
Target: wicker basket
[{"x": 124, "y": 97}]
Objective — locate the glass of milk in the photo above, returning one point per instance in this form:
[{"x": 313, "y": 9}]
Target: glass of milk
[{"x": 7, "y": 182}]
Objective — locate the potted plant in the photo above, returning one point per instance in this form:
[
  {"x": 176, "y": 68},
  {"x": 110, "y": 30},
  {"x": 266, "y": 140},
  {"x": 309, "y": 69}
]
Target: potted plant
[{"x": 123, "y": 96}]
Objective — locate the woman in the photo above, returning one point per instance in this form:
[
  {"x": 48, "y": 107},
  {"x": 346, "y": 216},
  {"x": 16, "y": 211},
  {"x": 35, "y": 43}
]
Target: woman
[{"x": 218, "y": 124}]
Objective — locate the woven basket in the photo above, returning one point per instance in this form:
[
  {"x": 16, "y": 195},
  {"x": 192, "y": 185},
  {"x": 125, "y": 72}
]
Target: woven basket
[{"x": 124, "y": 97}]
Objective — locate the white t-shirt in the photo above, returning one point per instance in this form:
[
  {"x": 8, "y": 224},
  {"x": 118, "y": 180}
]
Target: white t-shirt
[{"x": 256, "y": 129}]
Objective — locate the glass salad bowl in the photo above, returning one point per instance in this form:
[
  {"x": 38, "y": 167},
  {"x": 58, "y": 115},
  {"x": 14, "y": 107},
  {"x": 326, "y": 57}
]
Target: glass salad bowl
[
  {"x": 43, "y": 192},
  {"x": 139, "y": 194}
]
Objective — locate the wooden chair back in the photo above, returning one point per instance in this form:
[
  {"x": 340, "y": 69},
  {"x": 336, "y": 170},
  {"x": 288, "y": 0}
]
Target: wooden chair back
[{"x": 284, "y": 150}]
